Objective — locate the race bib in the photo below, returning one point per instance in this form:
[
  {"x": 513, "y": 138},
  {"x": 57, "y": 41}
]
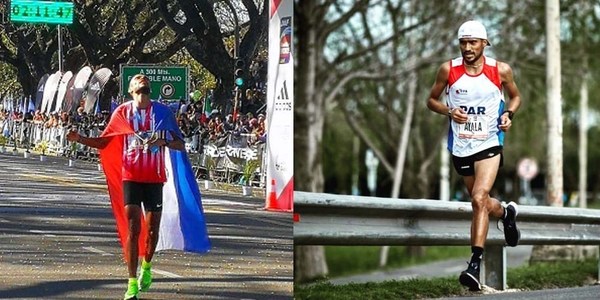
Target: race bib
[{"x": 475, "y": 128}]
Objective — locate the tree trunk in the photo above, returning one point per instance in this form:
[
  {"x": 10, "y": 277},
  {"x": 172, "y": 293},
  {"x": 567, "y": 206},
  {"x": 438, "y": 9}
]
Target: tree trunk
[
  {"x": 583, "y": 138},
  {"x": 444, "y": 171},
  {"x": 554, "y": 109},
  {"x": 401, "y": 157},
  {"x": 309, "y": 261},
  {"x": 406, "y": 126},
  {"x": 554, "y": 114}
]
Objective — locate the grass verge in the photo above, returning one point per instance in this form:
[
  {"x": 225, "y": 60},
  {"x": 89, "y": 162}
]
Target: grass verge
[
  {"x": 349, "y": 260},
  {"x": 536, "y": 277}
]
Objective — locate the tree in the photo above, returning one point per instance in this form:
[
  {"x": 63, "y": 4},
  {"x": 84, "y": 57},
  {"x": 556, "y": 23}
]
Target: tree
[
  {"x": 387, "y": 97},
  {"x": 554, "y": 110},
  {"x": 200, "y": 78},
  {"x": 8, "y": 76},
  {"x": 310, "y": 16},
  {"x": 200, "y": 24},
  {"x": 579, "y": 70},
  {"x": 105, "y": 33},
  {"x": 29, "y": 49},
  {"x": 111, "y": 33}
]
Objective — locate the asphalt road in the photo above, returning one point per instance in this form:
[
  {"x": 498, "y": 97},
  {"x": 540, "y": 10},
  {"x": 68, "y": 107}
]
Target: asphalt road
[{"x": 58, "y": 241}]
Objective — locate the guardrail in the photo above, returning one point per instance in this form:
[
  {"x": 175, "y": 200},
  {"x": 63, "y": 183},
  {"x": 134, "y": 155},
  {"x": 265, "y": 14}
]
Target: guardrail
[{"x": 327, "y": 219}]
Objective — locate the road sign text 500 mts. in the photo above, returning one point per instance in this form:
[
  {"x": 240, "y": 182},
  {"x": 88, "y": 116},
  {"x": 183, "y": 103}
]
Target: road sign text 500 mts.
[{"x": 166, "y": 82}]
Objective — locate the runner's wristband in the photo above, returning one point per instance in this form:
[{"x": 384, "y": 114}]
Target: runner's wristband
[{"x": 510, "y": 114}]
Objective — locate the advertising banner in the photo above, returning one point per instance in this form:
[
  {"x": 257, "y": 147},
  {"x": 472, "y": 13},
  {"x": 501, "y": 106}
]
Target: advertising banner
[{"x": 280, "y": 104}]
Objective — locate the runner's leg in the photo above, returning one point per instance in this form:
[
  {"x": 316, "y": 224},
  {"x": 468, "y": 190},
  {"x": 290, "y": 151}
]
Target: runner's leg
[
  {"x": 153, "y": 225},
  {"x": 134, "y": 213},
  {"x": 483, "y": 205}
]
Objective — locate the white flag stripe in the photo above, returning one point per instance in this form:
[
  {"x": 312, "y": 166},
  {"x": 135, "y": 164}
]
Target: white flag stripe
[{"x": 169, "y": 224}]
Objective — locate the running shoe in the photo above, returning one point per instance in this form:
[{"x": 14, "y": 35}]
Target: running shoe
[
  {"x": 511, "y": 232},
  {"x": 132, "y": 290},
  {"x": 145, "y": 279},
  {"x": 470, "y": 277}
]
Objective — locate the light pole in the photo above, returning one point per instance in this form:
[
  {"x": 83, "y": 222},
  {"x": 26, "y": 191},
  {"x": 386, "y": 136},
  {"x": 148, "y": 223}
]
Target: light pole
[{"x": 60, "y": 60}]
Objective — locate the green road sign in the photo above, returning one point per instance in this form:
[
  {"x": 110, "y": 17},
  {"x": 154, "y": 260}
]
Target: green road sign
[
  {"x": 48, "y": 12},
  {"x": 166, "y": 82}
]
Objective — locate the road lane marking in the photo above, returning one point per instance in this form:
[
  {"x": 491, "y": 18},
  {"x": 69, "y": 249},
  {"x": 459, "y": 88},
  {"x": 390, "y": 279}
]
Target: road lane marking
[
  {"x": 97, "y": 251},
  {"x": 66, "y": 181},
  {"x": 276, "y": 222},
  {"x": 42, "y": 232},
  {"x": 158, "y": 271},
  {"x": 215, "y": 201},
  {"x": 166, "y": 274}
]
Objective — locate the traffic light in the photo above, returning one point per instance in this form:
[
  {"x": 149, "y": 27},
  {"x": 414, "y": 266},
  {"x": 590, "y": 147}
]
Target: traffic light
[{"x": 239, "y": 72}]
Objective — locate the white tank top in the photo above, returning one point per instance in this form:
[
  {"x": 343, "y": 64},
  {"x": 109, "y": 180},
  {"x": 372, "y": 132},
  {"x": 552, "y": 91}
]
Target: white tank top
[{"x": 481, "y": 97}]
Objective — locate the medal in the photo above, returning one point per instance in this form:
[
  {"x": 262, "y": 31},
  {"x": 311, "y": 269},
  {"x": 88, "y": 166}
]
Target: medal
[{"x": 147, "y": 137}]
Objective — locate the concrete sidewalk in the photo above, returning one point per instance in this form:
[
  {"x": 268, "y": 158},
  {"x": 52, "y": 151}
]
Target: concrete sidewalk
[{"x": 516, "y": 257}]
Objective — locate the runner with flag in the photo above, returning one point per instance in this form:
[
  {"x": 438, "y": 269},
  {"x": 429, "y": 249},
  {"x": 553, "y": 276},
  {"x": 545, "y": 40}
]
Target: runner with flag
[{"x": 144, "y": 159}]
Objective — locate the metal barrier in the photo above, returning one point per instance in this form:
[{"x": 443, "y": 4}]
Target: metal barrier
[
  {"x": 327, "y": 219},
  {"x": 27, "y": 135}
]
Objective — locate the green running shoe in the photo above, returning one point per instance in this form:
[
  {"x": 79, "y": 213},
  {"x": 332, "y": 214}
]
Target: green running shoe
[
  {"x": 132, "y": 290},
  {"x": 145, "y": 279}
]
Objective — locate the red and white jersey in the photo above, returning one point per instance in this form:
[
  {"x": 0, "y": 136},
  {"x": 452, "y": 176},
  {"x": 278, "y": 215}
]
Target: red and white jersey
[
  {"x": 481, "y": 97},
  {"x": 141, "y": 164}
]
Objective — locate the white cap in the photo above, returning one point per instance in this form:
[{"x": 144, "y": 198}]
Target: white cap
[{"x": 472, "y": 29}]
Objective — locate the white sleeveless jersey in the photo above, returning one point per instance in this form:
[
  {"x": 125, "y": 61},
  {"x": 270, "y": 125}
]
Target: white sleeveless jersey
[{"x": 481, "y": 97}]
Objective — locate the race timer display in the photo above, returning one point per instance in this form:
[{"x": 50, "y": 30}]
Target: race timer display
[{"x": 49, "y": 12}]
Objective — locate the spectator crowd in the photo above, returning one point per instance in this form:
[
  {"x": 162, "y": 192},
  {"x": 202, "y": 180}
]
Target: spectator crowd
[{"x": 241, "y": 115}]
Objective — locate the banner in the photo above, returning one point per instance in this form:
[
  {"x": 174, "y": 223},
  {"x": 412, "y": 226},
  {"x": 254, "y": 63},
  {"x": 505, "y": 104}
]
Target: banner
[
  {"x": 79, "y": 85},
  {"x": 62, "y": 90},
  {"x": 50, "y": 89},
  {"x": 94, "y": 87},
  {"x": 280, "y": 103},
  {"x": 67, "y": 102},
  {"x": 233, "y": 151},
  {"x": 40, "y": 91}
]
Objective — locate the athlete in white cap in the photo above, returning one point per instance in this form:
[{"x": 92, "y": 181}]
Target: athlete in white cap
[{"x": 479, "y": 117}]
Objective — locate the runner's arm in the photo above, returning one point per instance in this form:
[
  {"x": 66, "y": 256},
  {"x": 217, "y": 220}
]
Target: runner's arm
[
  {"x": 97, "y": 142},
  {"x": 508, "y": 82},
  {"x": 434, "y": 103}
]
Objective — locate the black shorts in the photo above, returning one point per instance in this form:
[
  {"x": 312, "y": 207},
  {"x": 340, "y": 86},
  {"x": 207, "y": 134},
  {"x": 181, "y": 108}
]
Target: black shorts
[
  {"x": 465, "y": 166},
  {"x": 137, "y": 193}
]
